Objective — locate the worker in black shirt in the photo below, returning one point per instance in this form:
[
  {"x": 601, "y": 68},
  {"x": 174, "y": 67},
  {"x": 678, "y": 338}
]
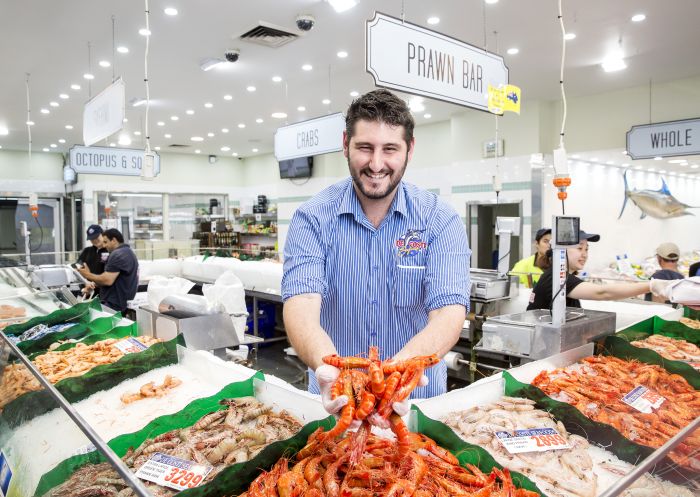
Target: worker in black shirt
[
  {"x": 576, "y": 288},
  {"x": 94, "y": 256}
]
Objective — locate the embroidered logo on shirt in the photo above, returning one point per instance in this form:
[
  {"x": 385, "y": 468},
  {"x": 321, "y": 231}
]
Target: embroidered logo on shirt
[{"x": 410, "y": 243}]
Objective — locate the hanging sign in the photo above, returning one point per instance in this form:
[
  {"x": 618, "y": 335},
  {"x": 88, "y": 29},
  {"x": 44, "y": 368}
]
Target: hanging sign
[
  {"x": 307, "y": 138},
  {"x": 104, "y": 115},
  {"x": 413, "y": 59},
  {"x": 667, "y": 139},
  {"x": 109, "y": 160}
]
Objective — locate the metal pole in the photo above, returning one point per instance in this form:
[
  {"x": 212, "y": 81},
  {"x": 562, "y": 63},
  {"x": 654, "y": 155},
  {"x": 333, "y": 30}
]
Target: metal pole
[
  {"x": 115, "y": 461},
  {"x": 622, "y": 484}
]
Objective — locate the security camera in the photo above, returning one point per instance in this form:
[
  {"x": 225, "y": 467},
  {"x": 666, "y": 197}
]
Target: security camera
[
  {"x": 232, "y": 54},
  {"x": 306, "y": 22},
  {"x": 213, "y": 159}
]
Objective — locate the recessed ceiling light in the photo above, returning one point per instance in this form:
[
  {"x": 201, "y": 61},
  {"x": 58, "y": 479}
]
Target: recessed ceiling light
[
  {"x": 167, "y": 135},
  {"x": 676, "y": 161},
  {"x": 124, "y": 139},
  {"x": 224, "y": 130},
  {"x": 354, "y": 93},
  {"x": 4, "y": 131},
  {"x": 189, "y": 112},
  {"x": 241, "y": 125},
  {"x": 228, "y": 97},
  {"x": 45, "y": 111},
  {"x": 342, "y": 5},
  {"x": 144, "y": 32},
  {"x": 197, "y": 151},
  {"x": 53, "y": 145},
  {"x": 210, "y": 134},
  {"x": 342, "y": 54},
  {"x": 694, "y": 166},
  {"x": 197, "y": 139},
  {"x": 276, "y": 79},
  {"x": 513, "y": 51},
  {"x": 301, "y": 108},
  {"x": 112, "y": 144},
  {"x": 638, "y": 17},
  {"x": 491, "y": 1},
  {"x": 569, "y": 36},
  {"x": 122, "y": 49},
  {"x": 208, "y": 105},
  {"x": 652, "y": 169},
  {"x": 575, "y": 156},
  {"x": 88, "y": 76},
  {"x": 307, "y": 67},
  {"x": 614, "y": 62},
  {"x": 427, "y": 116},
  {"x": 160, "y": 123},
  {"x": 61, "y": 140},
  {"x": 235, "y": 154},
  {"x": 662, "y": 170},
  {"x": 170, "y": 11},
  {"x": 45, "y": 149},
  {"x": 325, "y": 101},
  {"x": 433, "y": 20},
  {"x": 658, "y": 158},
  {"x": 104, "y": 63},
  {"x": 625, "y": 164},
  {"x": 53, "y": 104},
  {"x": 259, "y": 120},
  {"x": 64, "y": 96},
  {"x": 125, "y": 120},
  {"x": 74, "y": 87},
  {"x": 594, "y": 159},
  {"x": 137, "y": 133},
  {"x": 251, "y": 88},
  {"x": 279, "y": 115},
  {"x": 610, "y": 162},
  {"x": 174, "y": 118},
  {"x": 255, "y": 150},
  {"x": 157, "y": 148},
  {"x": 69, "y": 126},
  {"x": 225, "y": 149}
]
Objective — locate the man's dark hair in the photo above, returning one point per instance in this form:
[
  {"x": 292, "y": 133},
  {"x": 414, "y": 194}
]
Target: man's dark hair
[
  {"x": 380, "y": 106},
  {"x": 113, "y": 233}
]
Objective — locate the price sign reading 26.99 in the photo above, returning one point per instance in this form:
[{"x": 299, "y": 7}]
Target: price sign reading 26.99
[
  {"x": 173, "y": 472},
  {"x": 534, "y": 440}
]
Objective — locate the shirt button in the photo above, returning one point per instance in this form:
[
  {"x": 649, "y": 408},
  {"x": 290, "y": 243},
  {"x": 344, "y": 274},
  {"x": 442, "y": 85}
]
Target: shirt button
[
  {"x": 374, "y": 268},
  {"x": 374, "y": 334},
  {"x": 374, "y": 302}
]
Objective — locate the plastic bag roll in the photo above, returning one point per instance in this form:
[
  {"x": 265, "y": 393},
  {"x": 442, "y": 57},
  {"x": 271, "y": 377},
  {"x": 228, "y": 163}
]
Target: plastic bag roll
[{"x": 452, "y": 360}]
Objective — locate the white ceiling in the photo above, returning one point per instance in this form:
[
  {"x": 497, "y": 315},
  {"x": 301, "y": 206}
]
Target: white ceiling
[{"x": 49, "y": 40}]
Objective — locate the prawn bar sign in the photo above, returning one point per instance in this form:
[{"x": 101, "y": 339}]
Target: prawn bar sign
[
  {"x": 413, "y": 59},
  {"x": 667, "y": 139}
]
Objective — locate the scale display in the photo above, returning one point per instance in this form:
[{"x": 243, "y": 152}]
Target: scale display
[{"x": 566, "y": 230}]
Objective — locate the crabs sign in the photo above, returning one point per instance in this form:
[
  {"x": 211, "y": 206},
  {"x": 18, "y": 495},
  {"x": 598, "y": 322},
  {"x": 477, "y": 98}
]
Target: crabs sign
[{"x": 411, "y": 243}]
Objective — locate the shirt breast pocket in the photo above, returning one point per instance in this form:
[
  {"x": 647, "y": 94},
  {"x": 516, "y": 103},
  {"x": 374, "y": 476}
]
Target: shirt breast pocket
[{"x": 408, "y": 286}]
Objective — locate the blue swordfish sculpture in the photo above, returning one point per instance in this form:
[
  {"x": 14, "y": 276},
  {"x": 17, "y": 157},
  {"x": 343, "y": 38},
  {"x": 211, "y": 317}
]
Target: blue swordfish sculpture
[{"x": 656, "y": 203}]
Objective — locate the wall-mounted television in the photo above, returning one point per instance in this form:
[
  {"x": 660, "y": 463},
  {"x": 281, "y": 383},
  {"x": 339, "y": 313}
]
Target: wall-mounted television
[{"x": 296, "y": 168}]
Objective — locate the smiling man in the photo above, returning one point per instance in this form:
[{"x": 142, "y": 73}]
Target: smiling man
[{"x": 373, "y": 260}]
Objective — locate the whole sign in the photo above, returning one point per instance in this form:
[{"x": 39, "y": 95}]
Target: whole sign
[
  {"x": 664, "y": 139},
  {"x": 109, "y": 160},
  {"x": 104, "y": 114},
  {"x": 307, "y": 138},
  {"x": 416, "y": 60}
]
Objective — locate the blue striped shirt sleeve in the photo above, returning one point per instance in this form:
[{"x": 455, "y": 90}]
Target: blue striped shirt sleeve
[
  {"x": 304, "y": 258},
  {"x": 447, "y": 264}
]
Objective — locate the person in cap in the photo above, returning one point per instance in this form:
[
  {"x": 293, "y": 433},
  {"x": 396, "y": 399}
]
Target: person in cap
[
  {"x": 667, "y": 255},
  {"x": 530, "y": 268},
  {"x": 94, "y": 255},
  {"x": 577, "y": 289}
]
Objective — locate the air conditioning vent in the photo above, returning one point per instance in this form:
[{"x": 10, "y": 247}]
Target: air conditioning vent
[
  {"x": 268, "y": 35},
  {"x": 177, "y": 145}
]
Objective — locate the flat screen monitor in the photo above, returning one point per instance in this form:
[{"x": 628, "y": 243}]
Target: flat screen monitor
[{"x": 296, "y": 168}]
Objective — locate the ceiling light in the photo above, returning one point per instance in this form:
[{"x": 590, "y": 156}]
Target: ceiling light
[
  {"x": 638, "y": 17},
  {"x": 259, "y": 120},
  {"x": 354, "y": 93},
  {"x": 210, "y": 63},
  {"x": 694, "y": 166},
  {"x": 427, "y": 116},
  {"x": 160, "y": 123},
  {"x": 433, "y": 20},
  {"x": 575, "y": 156},
  {"x": 112, "y": 144},
  {"x": 276, "y": 79},
  {"x": 104, "y": 63},
  {"x": 652, "y": 169},
  {"x": 210, "y": 134},
  {"x": 625, "y": 164},
  {"x": 662, "y": 171},
  {"x": 45, "y": 149},
  {"x": 225, "y": 149},
  {"x": 69, "y": 126},
  {"x": 279, "y": 115},
  {"x": 137, "y": 133},
  {"x": 4, "y": 131},
  {"x": 122, "y": 49},
  {"x": 255, "y": 150},
  {"x": 513, "y": 51},
  {"x": 342, "y": 54},
  {"x": 208, "y": 105},
  {"x": 228, "y": 97},
  {"x": 416, "y": 104},
  {"x": 45, "y": 111},
  {"x": 658, "y": 158},
  {"x": 224, "y": 130},
  {"x": 301, "y": 108},
  {"x": 241, "y": 125},
  {"x": 74, "y": 87},
  {"x": 569, "y": 36},
  {"x": 124, "y": 139},
  {"x": 614, "y": 62},
  {"x": 307, "y": 67},
  {"x": 53, "y": 104},
  {"x": 197, "y": 139},
  {"x": 137, "y": 102},
  {"x": 167, "y": 135},
  {"x": 125, "y": 120},
  {"x": 174, "y": 118},
  {"x": 677, "y": 161},
  {"x": 157, "y": 148},
  {"x": 88, "y": 76},
  {"x": 610, "y": 162},
  {"x": 61, "y": 140},
  {"x": 145, "y": 32},
  {"x": 170, "y": 11},
  {"x": 235, "y": 154},
  {"x": 189, "y": 112},
  {"x": 594, "y": 159},
  {"x": 491, "y": 1},
  {"x": 30, "y": 123},
  {"x": 64, "y": 96},
  {"x": 325, "y": 101},
  {"x": 251, "y": 88},
  {"x": 624, "y": 152},
  {"x": 53, "y": 145},
  {"x": 197, "y": 151},
  {"x": 342, "y": 5}
]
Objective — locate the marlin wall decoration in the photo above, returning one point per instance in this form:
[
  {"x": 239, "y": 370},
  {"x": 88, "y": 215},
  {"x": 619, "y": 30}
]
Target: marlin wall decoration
[{"x": 656, "y": 203}]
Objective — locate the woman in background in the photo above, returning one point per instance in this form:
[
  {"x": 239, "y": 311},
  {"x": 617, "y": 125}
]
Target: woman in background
[{"x": 530, "y": 268}]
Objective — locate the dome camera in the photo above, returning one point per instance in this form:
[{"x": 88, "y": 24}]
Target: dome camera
[
  {"x": 232, "y": 54},
  {"x": 306, "y": 22}
]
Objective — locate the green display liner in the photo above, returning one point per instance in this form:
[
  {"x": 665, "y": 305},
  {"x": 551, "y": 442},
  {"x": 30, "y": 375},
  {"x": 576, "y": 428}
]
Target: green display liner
[
  {"x": 658, "y": 326},
  {"x": 103, "y": 377},
  {"x": 80, "y": 331},
  {"x": 619, "y": 346},
  {"x": 691, "y": 313},
  {"x": 465, "y": 452},
  {"x": 602, "y": 434},
  {"x": 79, "y": 313}
]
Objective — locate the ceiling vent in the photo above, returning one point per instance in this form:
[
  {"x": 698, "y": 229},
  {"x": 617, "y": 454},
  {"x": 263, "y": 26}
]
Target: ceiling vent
[
  {"x": 268, "y": 35},
  {"x": 177, "y": 145}
]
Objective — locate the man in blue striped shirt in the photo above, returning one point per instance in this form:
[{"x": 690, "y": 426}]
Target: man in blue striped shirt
[{"x": 373, "y": 260}]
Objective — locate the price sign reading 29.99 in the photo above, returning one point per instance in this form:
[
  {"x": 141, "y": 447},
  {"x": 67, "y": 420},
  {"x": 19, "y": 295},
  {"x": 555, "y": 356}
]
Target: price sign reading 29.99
[
  {"x": 173, "y": 472},
  {"x": 534, "y": 440}
]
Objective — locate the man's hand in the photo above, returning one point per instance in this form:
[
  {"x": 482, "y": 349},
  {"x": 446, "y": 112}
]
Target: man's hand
[
  {"x": 89, "y": 287},
  {"x": 326, "y": 376},
  {"x": 83, "y": 270}
]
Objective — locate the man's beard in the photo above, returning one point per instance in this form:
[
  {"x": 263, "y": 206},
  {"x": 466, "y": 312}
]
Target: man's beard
[{"x": 394, "y": 180}]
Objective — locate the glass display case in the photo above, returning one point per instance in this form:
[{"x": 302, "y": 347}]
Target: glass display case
[
  {"x": 20, "y": 301},
  {"x": 139, "y": 216},
  {"x": 186, "y": 212},
  {"x": 257, "y": 233}
]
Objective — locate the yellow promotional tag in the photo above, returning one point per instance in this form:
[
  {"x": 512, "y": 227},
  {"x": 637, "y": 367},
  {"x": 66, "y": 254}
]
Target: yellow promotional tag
[{"x": 504, "y": 98}]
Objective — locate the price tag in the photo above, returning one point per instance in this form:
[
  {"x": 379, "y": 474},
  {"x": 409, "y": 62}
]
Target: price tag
[
  {"x": 643, "y": 399},
  {"x": 258, "y": 217},
  {"x": 85, "y": 449},
  {"x": 534, "y": 440},
  {"x": 173, "y": 472},
  {"x": 130, "y": 345}
]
